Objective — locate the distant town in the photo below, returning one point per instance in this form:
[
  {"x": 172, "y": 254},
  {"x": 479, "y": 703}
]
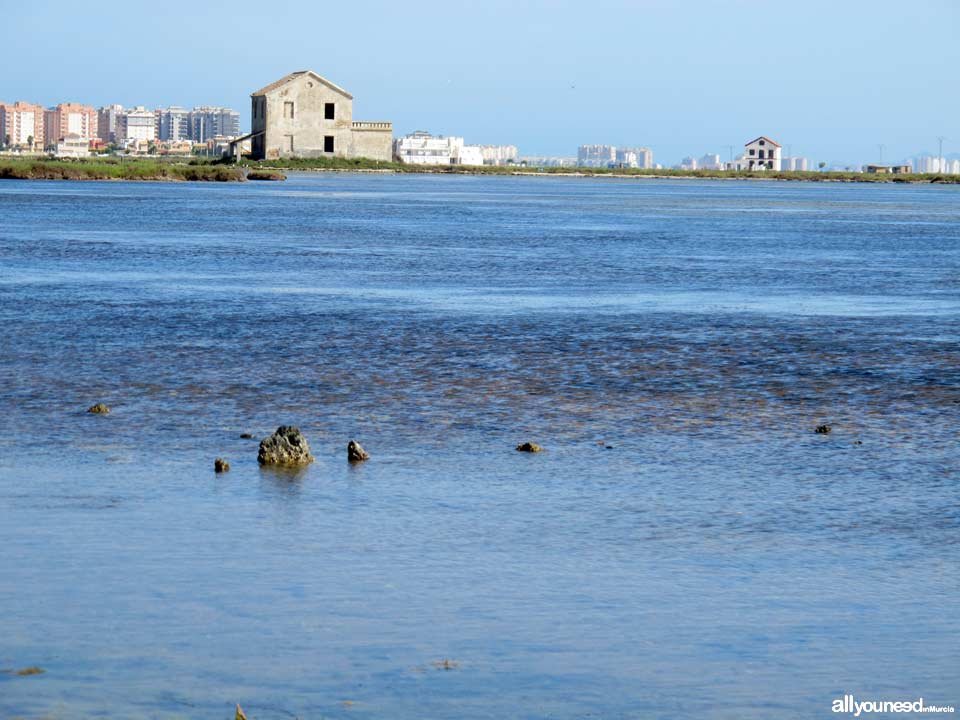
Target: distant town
[{"x": 305, "y": 115}]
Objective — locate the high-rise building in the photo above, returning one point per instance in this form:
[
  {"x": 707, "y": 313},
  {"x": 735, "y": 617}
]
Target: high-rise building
[
  {"x": 107, "y": 122},
  {"x": 642, "y": 155},
  {"x": 499, "y": 154},
  {"x": 710, "y": 161},
  {"x": 22, "y": 124},
  {"x": 173, "y": 124},
  {"x": 136, "y": 124},
  {"x": 210, "y": 122},
  {"x": 69, "y": 119},
  {"x": 596, "y": 155}
]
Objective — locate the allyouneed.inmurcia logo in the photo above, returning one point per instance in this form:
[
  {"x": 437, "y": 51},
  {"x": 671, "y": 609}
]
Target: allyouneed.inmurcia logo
[{"x": 847, "y": 704}]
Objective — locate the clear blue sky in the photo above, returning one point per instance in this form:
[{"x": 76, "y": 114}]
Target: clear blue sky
[{"x": 833, "y": 79}]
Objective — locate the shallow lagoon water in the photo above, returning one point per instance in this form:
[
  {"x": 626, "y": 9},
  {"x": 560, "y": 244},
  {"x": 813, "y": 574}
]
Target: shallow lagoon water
[{"x": 720, "y": 560}]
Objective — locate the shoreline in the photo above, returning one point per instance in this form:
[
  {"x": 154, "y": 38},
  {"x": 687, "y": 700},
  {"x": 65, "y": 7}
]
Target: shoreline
[{"x": 152, "y": 170}]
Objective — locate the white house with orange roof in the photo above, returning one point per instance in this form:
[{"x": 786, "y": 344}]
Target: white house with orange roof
[{"x": 759, "y": 154}]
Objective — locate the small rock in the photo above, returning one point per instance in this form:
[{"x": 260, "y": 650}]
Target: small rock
[
  {"x": 246, "y": 436},
  {"x": 446, "y": 664},
  {"x": 529, "y": 447},
  {"x": 239, "y": 715},
  {"x": 823, "y": 429},
  {"x": 98, "y": 409},
  {"x": 34, "y": 670},
  {"x": 858, "y": 442},
  {"x": 287, "y": 446},
  {"x": 220, "y": 465},
  {"x": 356, "y": 453}
]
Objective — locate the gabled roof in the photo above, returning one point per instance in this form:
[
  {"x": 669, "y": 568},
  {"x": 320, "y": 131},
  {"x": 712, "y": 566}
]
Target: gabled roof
[
  {"x": 764, "y": 137},
  {"x": 293, "y": 76}
]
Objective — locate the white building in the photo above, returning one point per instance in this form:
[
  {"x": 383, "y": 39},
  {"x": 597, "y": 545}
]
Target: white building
[
  {"x": 688, "y": 163},
  {"x": 173, "y": 123},
  {"x": 596, "y": 155},
  {"x": 795, "y": 164},
  {"x": 73, "y": 145},
  {"x": 136, "y": 124},
  {"x": 499, "y": 154},
  {"x": 710, "y": 161},
  {"x": 422, "y": 148},
  {"x": 760, "y": 154}
]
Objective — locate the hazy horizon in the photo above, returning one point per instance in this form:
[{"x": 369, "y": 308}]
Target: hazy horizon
[{"x": 829, "y": 81}]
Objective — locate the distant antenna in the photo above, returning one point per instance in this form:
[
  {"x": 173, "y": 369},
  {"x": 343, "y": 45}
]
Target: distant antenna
[
  {"x": 881, "y": 146},
  {"x": 730, "y": 147},
  {"x": 940, "y": 139}
]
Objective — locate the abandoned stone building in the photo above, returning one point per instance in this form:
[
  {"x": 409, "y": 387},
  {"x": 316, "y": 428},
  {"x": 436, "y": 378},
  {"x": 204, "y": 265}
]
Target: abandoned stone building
[{"x": 305, "y": 115}]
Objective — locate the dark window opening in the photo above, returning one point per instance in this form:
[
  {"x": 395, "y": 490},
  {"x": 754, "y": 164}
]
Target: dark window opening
[
  {"x": 288, "y": 110},
  {"x": 328, "y": 143},
  {"x": 762, "y": 142},
  {"x": 329, "y": 111},
  {"x": 752, "y": 151}
]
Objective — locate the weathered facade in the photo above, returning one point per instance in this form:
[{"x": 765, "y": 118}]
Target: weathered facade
[{"x": 305, "y": 115}]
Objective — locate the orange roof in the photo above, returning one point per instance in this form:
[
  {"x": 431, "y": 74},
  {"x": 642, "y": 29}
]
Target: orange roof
[
  {"x": 764, "y": 137},
  {"x": 292, "y": 76}
]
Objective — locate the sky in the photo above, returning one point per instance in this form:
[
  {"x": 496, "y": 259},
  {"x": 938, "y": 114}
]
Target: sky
[{"x": 831, "y": 81}]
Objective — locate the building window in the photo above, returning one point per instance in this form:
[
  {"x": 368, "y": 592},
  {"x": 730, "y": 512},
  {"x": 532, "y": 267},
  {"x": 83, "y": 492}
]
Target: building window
[
  {"x": 288, "y": 110},
  {"x": 329, "y": 111},
  {"x": 288, "y": 143},
  {"x": 762, "y": 142},
  {"x": 328, "y": 143},
  {"x": 752, "y": 151}
]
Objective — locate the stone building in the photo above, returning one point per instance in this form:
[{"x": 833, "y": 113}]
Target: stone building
[{"x": 305, "y": 115}]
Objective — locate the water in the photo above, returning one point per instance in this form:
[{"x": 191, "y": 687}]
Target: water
[{"x": 720, "y": 560}]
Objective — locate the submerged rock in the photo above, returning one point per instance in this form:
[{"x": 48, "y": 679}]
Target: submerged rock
[
  {"x": 220, "y": 465},
  {"x": 246, "y": 436},
  {"x": 287, "y": 446},
  {"x": 98, "y": 409},
  {"x": 529, "y": 447},
  {"x": 823, "y": 429},
  {"x": 356, "y": 453}
]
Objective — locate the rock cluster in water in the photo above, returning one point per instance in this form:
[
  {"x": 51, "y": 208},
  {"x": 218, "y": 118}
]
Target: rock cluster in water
[
  {"x": 356, "y": 453},
  {"x": 823, "y": 429},
  {"x": 220, "y": 465},
  {"x": 287, "y": 446},
  {"x": 529, "y": 447},
  {"x": 98, "y": 409}
]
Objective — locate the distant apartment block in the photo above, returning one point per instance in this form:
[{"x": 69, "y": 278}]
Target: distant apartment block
[
  {"x": 207, "y": 123},
  {"x": 596, "y": 155},
  {"x": 710, "y": 161},
  {"x": 499, "y": 154},
  {"x": 688, "y": 163},
  {"x": 172, "y": 124},
  {"x": 634, "y": 157},
  {"x": 107, "y": 122},
  {"x": 136, "y": 124},
  {"x": 422, "y": 148},
  {"x": 541, "y": 161},
  {"x": 69, "y": 119},
  {"x": 22, "y": 124}
]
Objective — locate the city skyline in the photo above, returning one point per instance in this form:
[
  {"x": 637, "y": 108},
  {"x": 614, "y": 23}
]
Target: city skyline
[{"x": 681, "y": 80}]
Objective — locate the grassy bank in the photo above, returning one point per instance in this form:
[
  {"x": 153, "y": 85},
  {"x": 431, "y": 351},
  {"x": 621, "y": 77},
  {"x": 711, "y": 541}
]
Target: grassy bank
[
  {"x": 363, "y": 164},
  {"x": 115, "y": 169}
]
